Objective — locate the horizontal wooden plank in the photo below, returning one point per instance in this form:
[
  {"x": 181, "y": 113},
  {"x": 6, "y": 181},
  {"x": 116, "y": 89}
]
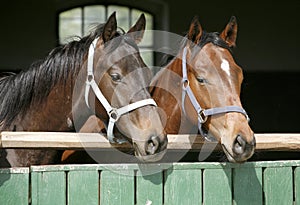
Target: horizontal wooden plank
[
  {"x": 56, "y": 140},
  {"x": 62, "y": 140},
  {"x": 278, "y": 142}
]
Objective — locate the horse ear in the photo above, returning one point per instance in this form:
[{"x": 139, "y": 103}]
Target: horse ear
[
  {"x": 195, "y": 31},
  {"x": 110, "y": 28},
  {"x": 229, "y": 34},
  {"x": 137, "y": 31}
]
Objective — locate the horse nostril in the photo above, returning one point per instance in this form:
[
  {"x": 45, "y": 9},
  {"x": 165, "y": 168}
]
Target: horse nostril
[
  {"x": 239, "y": 145},
  {"x": 152, "y": 145}
]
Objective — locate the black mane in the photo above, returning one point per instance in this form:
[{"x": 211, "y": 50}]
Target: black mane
[
  {"x": 213, "y": 38},
  {"x": 19, "y": 91},
  {"x": 206, "y": 37}
]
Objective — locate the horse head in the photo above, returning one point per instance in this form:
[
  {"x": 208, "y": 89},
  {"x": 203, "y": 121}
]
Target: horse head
[
  {"x": 117, "y": 89},
  {"x": 215, "y": 80}
]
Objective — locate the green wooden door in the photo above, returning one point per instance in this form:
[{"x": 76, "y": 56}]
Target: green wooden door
[{"x": 261, "y": 183}]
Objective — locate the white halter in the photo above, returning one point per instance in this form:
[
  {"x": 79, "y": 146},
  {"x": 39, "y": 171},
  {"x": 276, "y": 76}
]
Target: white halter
[
  {"x": 113, "y": 113},
  {"x": 203, "y": 114}
]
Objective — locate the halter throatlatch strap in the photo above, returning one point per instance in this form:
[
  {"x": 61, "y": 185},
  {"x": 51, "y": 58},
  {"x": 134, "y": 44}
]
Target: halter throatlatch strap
[
  {"x": 113, "y": 113},
  {"x": 203, "y": 114}
]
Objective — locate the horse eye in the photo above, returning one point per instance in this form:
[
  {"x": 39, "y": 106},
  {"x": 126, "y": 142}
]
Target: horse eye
[
  {"x": 201, "y": 80},
  {"x": 115, "y": 77}
]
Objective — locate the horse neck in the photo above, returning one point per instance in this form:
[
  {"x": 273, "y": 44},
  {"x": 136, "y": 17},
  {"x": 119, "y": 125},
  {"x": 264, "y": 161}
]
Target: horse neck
[
  {"x": 46, "y": 83},
  {"x": 57, "y": 109},
  {"x": 52, "y": 114},
  {"x": 166, "y": 91}
]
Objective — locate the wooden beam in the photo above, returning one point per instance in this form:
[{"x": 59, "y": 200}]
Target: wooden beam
[
  {"x": 56, "y": 140},
  {"x": 278, "y": 142},
  {"x": 61, "y": 140}
]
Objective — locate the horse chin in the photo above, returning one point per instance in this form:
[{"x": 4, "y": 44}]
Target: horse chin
[
  {"x": 227, "y": 149},
  {"x": 231, "y": 158},
  {"x": 150, "y": 158}
]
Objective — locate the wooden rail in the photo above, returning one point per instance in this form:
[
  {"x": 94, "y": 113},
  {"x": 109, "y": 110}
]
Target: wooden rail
[{"x": 61, "y": 140}]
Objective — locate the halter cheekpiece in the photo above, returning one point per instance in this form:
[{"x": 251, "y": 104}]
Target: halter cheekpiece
[{"x": 113, "y": 113}]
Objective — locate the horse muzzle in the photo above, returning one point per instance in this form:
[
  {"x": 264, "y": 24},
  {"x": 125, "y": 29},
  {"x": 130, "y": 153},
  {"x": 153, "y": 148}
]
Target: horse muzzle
[
  {"x": 152, "y": 150},
  {"x": 241, "y": 149}
]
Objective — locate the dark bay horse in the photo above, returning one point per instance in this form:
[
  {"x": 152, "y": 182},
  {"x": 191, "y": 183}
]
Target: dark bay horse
[
  {"x": 102, "y": 74},
  {"x": 200, "y": 90}
]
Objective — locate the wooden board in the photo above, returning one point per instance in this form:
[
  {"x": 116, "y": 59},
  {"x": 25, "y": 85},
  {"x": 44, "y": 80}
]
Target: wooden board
[
  {"x": 55, "y": 140},
  {"x": 183, "y": 187},
  {"x": 83, "y": 187},
  {"x": 217, "y": 186},
  {"x": 60, "y": 140},
  {"x": 14, "y": 186},
  {"x": 117, "y": 188},
  {"x": 278, "y": 185},
  {"x": 48, "y": 188},
  {"x": 297, "y": 185},
  {"x": 244, "y": 180},
  {"x": 149, "y": 188}
]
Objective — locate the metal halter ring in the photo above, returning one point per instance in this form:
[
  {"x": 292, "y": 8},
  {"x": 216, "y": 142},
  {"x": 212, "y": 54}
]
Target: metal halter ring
[
  {"x": 113, "y": 115},
  {"x": 185, "y": 84},
  {"x": 90, "y": 78},
  {"x": 202, "y": 117}
]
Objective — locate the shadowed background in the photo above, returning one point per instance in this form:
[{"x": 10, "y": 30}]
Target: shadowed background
[{"x": 267, "y": 45}]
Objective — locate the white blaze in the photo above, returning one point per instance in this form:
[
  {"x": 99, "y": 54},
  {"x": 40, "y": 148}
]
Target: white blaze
[{"x": 225, "y": 66}]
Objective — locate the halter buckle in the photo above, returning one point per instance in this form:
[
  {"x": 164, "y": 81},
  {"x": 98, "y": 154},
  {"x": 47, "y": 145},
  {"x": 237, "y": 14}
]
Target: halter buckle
[{"x": 202, "y": 117}]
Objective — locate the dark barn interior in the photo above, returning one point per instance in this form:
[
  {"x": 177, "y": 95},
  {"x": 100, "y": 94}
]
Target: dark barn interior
[{"x": 267, "y": 45}]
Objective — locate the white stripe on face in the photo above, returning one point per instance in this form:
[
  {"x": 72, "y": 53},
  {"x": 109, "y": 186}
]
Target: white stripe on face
[{"x": 225, "y": 66}]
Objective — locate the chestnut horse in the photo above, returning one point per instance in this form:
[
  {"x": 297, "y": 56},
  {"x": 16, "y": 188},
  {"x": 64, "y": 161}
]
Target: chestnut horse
[
  {"x": 102, "y": 74},
  {"x": 200, "y": 90}
]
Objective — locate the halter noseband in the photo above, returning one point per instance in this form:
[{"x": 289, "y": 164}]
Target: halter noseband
[
  {"x": 203, "y": 114},
  {"x": 113, "y": 113}
]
